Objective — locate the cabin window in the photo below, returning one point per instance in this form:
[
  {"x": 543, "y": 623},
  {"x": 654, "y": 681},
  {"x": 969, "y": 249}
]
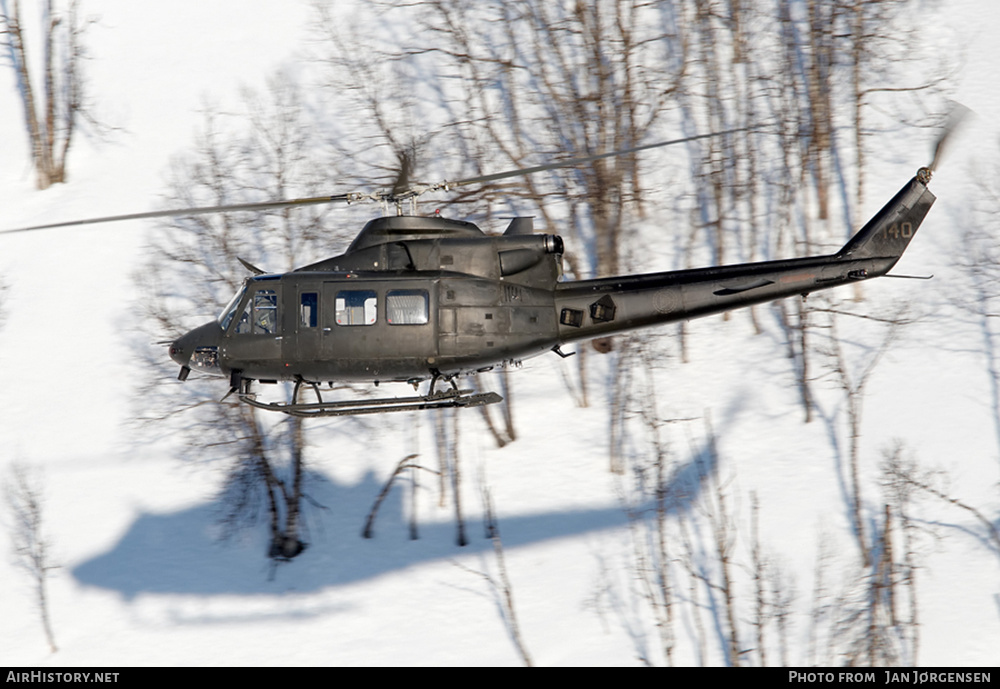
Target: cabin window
[
  {"x": 308, "y": 309},
  {"x": 260, "y": 316},
  {"x": 407, "y": 307},
  {"x": 356, "y": 307}
]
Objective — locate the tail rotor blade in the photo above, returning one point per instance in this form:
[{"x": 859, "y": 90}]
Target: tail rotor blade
[{"x": 956, "y": 117}]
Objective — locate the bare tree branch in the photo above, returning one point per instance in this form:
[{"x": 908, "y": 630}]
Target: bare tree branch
[{"x": 31, "y": 546}]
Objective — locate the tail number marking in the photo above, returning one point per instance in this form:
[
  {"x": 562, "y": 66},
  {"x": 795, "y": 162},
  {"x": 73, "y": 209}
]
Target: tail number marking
[{"x": 897, "y": 230}]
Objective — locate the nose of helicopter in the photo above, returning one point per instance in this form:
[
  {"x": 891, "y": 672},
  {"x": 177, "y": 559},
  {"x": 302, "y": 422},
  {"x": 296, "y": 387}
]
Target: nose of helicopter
[
  {"x": 179, "y": 351},
  {"x": 198, "y": 349}
]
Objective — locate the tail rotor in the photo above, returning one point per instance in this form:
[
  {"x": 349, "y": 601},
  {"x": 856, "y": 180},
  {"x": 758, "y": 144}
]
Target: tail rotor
[{"x": 958, "y": 114}]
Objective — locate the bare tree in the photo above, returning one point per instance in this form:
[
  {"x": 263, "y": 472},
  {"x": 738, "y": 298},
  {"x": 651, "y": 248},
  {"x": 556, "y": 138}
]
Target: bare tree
[
  {"x": 449, "y": 451},
  {"x": 871, "y": 631},
  {"x": 724, "y": 539},
  {"x": 977, "y": 257},
  {"x": 53, "y": 110},
  {"x": 504, "y": 587},
  {"x": 856, "y": 52},
  {"x": 759, "y": 569},
  {"x": 853, "y": 379},
  {"x": 685, "y": 542},
  {"x": 876, "y": 50},
  {"x": 652, "y": 471},
  {"x": 903, "y": 476},
  {"x": 868, "y": 615},
  {"x": 782, "y": 595},
  {"x": 31, "y": 546},
  {"x": 697, "y": 501},
  {"x": 900, "y": 494},
  {"x": 406, "y": 463}
]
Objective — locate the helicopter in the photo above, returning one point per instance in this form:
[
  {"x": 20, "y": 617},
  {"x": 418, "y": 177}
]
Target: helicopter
[{"x": 417, "y": 298}]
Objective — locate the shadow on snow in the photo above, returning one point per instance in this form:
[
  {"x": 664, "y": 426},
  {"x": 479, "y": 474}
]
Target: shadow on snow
[{"x": 181, "y": 552}]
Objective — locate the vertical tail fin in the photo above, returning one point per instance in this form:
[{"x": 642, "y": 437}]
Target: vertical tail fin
[{"x": 887, "y": 234}]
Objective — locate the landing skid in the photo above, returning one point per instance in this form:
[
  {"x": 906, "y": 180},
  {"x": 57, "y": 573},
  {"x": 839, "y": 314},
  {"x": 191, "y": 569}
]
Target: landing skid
[{"x": 438, "y": 400}]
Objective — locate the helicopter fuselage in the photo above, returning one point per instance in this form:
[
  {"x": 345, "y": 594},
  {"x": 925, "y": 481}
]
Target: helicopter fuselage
[
  {"x": 415, "y": 298},
  {"x": 358, "y": 326},
  {"x": 410, "y": 299}
]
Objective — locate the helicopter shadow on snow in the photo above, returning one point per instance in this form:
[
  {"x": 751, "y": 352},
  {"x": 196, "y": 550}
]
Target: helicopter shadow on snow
[{"x": 182, "y": 553}]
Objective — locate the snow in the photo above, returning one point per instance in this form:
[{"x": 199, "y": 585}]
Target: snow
[{"x": 144, "y": 579}]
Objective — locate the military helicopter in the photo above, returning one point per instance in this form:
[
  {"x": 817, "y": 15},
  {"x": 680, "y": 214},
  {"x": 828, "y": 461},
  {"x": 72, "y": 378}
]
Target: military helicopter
[{"x": 428, "y": 298}]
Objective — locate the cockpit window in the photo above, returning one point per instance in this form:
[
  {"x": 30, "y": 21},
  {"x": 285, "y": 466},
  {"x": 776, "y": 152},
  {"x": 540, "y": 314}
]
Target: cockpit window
[
  {"x": 265, "y": 306},
  {"x": 260, "y": 316},
  {"x": 226, "y": 317}
]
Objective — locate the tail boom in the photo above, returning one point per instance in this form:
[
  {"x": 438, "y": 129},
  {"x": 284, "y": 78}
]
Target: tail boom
[{"x": 593, "y": 308}]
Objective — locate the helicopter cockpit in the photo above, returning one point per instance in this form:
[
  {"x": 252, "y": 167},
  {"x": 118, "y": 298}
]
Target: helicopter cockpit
[{"x": 259, "y": 316}]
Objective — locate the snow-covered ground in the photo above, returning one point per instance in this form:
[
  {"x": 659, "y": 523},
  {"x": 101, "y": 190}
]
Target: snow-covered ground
[{"x": 143, "y": 578}]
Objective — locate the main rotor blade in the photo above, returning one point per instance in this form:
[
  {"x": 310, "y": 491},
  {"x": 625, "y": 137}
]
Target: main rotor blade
[
  {"x": 578, "y": 161},
  {"x": 395, "y": 195},
  {"x": 263, "y": 205}
]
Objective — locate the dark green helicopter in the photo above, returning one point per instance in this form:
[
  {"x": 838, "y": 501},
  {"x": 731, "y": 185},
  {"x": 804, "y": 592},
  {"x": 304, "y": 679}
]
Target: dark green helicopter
[{"x": 417, "y": 298}]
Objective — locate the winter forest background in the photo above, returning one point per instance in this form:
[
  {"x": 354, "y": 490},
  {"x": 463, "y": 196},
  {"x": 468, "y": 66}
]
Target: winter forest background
[{"x": 810, "y": 482}]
